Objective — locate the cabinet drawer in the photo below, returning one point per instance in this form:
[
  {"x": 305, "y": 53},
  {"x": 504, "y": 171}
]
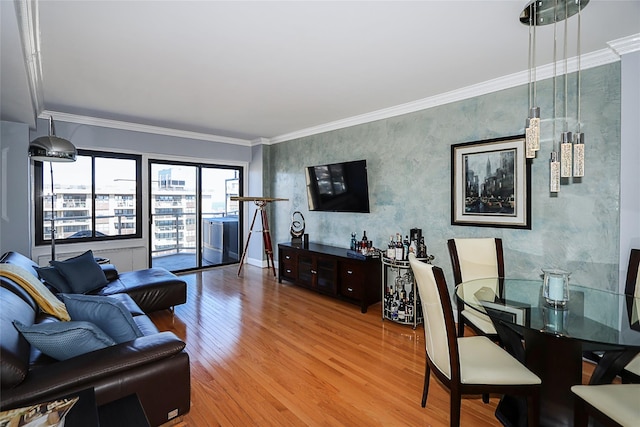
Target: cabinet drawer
[
  {"x": 352, "y": 280},
  {"x": 288, "y": 265}
]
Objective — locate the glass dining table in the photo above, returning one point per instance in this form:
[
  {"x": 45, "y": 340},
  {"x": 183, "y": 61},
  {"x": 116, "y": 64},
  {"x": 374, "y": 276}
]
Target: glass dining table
[{"x": 551, "y": 341}]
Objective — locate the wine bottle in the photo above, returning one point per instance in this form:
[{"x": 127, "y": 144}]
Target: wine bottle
[
  {"x": 405, "y": 247},
  {"x": 391, "y": 250},
  {"x": 399, "y": 247}
]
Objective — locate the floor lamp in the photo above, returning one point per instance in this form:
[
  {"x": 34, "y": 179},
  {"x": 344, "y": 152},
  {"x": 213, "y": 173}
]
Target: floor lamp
[{"x": 52, "y": 149}]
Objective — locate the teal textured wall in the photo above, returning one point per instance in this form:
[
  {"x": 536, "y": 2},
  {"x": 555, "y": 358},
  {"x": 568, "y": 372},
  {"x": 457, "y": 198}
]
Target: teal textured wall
[{"x": 409, "y": 164}]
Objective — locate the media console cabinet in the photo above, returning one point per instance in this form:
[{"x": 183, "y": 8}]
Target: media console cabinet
[{"x": 330, "y": 271}]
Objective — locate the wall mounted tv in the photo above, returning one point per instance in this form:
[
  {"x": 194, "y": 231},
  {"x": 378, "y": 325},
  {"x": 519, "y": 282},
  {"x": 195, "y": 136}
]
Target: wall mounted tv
[{"x": 338, "y": 187}]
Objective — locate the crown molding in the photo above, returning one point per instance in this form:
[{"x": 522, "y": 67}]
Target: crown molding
[
  {"x": 29, "y": 29},
  {"x": 626, "y": 45},
  {"x": 136, "y": 127},
  {"x": 590, "y": 60}
]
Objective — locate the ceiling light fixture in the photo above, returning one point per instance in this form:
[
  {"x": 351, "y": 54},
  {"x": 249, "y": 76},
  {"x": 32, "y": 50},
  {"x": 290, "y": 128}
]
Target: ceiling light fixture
[{"x": 567, "y": 158}]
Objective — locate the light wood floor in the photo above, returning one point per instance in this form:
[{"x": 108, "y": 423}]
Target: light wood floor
[{"x": 270, "y": 354}]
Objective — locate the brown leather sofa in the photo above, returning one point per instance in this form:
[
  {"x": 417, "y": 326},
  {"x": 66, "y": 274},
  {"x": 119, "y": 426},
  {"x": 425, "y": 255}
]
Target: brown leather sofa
[{"x": 154, "y": 366}]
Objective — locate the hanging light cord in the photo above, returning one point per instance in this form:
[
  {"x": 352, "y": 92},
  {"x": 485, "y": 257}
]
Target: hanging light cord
[
  {"x": 579, "y": 65},
  {"x": 533, "y": 56},
  {"x": 566, "y": 69},
  {"x": 555, "y": 74},
  {"x": 531, "y": 102}
]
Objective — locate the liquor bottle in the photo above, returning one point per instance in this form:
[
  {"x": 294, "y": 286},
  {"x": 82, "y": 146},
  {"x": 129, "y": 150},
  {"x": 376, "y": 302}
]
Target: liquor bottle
[
  {"x": 391, "y": 250},
  {"x": 423, "y": 248},
  {"x": 364, "y": 241},
  {"x": 405, "y": 247},
  {"x": 399, "y": 247},
  {"x": 401, "y": 311}
]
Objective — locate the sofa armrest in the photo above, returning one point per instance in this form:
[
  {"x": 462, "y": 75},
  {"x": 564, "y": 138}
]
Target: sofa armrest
[
  {"x": 82, "y": 371},
  {"x": 110, "y": 272}
]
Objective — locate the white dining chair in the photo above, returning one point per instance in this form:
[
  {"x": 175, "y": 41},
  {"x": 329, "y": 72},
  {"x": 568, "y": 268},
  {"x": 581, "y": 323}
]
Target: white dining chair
[
  {"x": 475, "y": 258},
  {"x": 466, "y": 365},
  {"x": 610, "y": 404},
  {"x": 631, "y": 372}
]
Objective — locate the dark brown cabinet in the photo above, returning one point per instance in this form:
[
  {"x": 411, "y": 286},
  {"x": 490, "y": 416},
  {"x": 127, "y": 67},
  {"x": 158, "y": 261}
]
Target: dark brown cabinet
[{"x": 329, "y": 270}]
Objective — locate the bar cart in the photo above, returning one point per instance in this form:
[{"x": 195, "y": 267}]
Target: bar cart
[{"x": 401, "y": 302}]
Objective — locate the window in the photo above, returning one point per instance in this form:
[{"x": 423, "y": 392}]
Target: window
[{"x": 97, "y": 197}]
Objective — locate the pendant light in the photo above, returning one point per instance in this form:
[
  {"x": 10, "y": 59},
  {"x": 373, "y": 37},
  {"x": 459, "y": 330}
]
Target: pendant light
[
  {"x": 532, "y": 132},
  {"x": 578, "y": 137},
  {"x": 567, "y": 152}
]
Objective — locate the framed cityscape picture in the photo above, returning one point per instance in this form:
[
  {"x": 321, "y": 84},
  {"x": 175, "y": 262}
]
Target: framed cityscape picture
[{"x": 491, "y": 183}]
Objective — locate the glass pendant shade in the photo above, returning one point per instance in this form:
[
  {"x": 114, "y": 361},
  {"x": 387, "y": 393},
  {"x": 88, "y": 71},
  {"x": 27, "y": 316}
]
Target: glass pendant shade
[
  {"x": 578, "y": 154},
  {"x": 566, "y": 154},
  {"x": 554, "y": 173},
  {"x": 534, "y": 123}
]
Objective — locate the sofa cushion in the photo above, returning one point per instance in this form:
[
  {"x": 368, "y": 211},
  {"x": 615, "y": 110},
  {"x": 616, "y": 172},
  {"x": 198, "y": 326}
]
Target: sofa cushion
[
  {"x": 53, "y": 278},
  {"x": 108, "y": 314},
  {"x": 64, "y": 340},
  {"x": 45, "y": 299},
  {"x": 83, "y": 273},
  {"x": 14, "y": 349}
]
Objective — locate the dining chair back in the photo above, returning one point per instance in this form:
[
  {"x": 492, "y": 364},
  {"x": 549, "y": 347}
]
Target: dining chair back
[
  {"x": 466, "y": 365},
  {"x": 631, "y": 372},
  {"x": 611, "y": 404},
  {"x": 476, "y": 258},
  {"x": 632, "y": 284}
]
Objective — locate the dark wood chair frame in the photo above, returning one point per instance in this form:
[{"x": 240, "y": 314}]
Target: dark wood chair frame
[
  {"x": 455, "y": 386},
  {"x": 457, "y": 276},
  {"x": 630, "y": 290},
  {"x": 583, "y": 410}
]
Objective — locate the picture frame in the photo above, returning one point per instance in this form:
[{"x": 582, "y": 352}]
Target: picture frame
[{"x": 491, "y": 183}]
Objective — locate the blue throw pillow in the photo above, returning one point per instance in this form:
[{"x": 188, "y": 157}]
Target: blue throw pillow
[
  {"x": 83, "y": 273},
  {"x": 107, "y": 313},
  {"x": 53, "y": 278},
  {"x": 64, "y": 340}
]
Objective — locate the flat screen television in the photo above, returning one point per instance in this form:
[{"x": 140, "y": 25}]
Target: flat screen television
[{"x": 338, "y": 187}]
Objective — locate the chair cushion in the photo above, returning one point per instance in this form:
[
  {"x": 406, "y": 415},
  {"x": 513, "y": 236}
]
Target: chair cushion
[
  {"x": 64, "y": 340},
  {"x": 620, "y": 402},
  {"x": 108, "y": 314},
  {"x": 83, "y": 273},
  {"x": 53, "y": 278},
  {"x": 484, "y": 362}
]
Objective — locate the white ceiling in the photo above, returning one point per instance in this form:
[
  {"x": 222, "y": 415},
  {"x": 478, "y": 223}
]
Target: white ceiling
[{"x": 265, "y": 69}]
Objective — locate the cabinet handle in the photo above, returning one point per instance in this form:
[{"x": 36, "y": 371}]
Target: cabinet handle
[
  {"x": 288, "y": 271},
  {"x": 349, "y": 272},
  {"x": 314, "y": 272},
  {"x": 287, "y": 257},
  {"x": 350, "y": 289}
]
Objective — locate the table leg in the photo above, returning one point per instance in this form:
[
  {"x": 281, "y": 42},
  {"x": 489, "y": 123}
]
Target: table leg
[
  {"x": 558, "y": 362},
  {"x": 266, "y": 236},
  {"x": 246, "y": 246}
]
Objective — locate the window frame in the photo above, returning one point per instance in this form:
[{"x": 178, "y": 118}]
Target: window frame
[{"x": 38, "y": 191}]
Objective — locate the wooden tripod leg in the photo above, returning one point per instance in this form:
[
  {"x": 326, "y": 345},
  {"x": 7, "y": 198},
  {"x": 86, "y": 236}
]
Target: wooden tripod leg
[
  {"x": 246, "y": 246},
  {"x": 266, "y": 236}
]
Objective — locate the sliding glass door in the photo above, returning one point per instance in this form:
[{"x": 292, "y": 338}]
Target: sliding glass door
[{"x": 193, "y": 221}]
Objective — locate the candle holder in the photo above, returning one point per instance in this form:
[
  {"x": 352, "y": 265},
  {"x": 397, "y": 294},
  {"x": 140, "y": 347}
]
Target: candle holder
[
  {"x": 555, "y": 320},
  {"x": 555, "y": 289}
]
